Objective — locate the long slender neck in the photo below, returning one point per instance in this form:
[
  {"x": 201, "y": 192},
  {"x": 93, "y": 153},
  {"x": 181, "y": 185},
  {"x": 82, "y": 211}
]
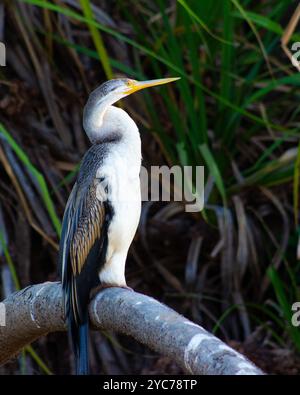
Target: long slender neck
[{"x": 105, "y": 123}]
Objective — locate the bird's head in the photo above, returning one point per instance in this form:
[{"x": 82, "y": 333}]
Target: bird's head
[{"x": 109, "y": 93}]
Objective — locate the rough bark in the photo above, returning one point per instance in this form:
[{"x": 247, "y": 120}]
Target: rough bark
[{"x": 37, "y": 310}]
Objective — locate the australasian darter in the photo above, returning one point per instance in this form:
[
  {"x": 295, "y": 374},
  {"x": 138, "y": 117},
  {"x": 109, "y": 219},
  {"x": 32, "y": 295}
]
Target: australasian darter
[{"x": 103, "y": 210}]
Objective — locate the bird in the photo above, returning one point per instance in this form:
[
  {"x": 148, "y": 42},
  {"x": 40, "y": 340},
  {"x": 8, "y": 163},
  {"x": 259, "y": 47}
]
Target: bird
[{"x": 103, "y": 210}]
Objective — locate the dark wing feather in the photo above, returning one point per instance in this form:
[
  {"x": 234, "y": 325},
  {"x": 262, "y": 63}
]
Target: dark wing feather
[
  {"x": 88, "y": 228},
  {"x": 84, "y": 235},
  {"x": 83, "y": 245}
]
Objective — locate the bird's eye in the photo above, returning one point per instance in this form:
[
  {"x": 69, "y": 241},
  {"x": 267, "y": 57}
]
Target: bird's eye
[{"x": 130, "y": 83}]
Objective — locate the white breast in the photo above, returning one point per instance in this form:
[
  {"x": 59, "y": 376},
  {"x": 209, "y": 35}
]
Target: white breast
[{"x": 121, "y": 168}]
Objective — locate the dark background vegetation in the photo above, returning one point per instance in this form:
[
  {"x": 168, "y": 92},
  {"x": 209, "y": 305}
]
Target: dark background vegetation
[{"x": 232, "y": 268}]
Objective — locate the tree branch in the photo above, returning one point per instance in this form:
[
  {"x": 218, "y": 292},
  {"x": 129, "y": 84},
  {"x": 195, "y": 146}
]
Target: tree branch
[{"x": 37, "y": 310}]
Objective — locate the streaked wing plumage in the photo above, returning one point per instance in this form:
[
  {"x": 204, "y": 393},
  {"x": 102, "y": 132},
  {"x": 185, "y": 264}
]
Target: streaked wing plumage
[
  {"x": 88, "y": 228},
  {"x": 84, "y": 237}
]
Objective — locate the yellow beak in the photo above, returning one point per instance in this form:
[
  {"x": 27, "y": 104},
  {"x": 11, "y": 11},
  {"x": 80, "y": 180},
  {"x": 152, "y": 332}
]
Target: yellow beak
[{"x": 134, "y": 86}]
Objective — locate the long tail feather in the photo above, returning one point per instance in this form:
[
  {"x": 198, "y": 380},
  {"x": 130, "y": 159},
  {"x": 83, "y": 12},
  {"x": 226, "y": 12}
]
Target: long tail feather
[{"x": 79, "y": 337}]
